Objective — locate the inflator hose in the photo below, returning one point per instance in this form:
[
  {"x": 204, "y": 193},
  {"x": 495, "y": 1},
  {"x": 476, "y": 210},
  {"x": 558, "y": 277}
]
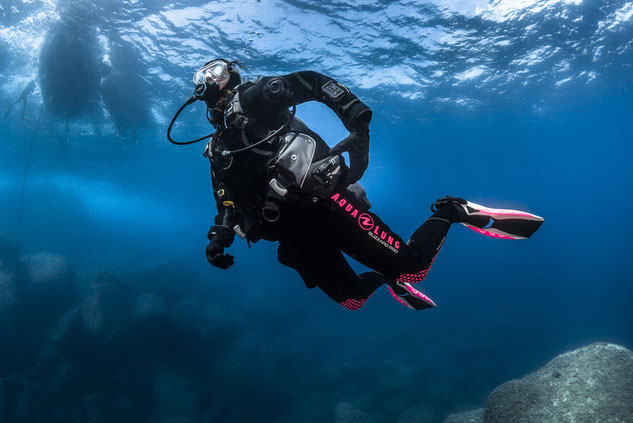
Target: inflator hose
[{"x": 227, "y": 153}]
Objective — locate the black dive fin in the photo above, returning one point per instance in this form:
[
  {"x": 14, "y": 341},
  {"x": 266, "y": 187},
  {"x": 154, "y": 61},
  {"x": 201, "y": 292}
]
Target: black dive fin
[
  {"x": 410, "y": 297},
  {"x": 499, "y": 223}
]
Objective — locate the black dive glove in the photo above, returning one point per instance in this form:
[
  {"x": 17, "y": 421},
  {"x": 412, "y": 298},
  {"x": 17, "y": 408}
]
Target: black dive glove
[
  {"x": 219, "y": 238},
  {"x": 357, "y": 145}
]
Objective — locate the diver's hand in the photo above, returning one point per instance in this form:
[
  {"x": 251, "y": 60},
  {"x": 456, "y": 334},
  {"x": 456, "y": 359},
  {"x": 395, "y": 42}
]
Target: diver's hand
[
  {"x": 216, "y": 256},
  {"x": 220, "y": 236},
  {"x": 357, "y": 145}
]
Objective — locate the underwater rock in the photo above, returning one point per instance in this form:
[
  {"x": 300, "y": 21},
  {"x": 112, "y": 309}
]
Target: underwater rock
[
  {"x": 593, "y": 384},
  {"x": 69, "y": 335},
  {"x": 8, "y": 253},
  {"x": 149, "y": 321},
  {"x": 164, "y": 280},
  {"x": 60, "y": 379},
  {"x": 269, "y": 390},
  {"x": 99, "y": 408},
  {"x": 201, "y": 323},
  {"x": 417, "y": 413},
  {"x": 475, "y": 416},
  {"x": 9, "y": 303},
  {"x": 21, "y": 401},
  {"x": 346, "y": 412},
  {"x": 148, "y": 310},
  {"x": 70, "y": 70},
  {"x": 94, "y": 408},
  {"x": 48, "y": 287},
  {"x": 49, "y": 277},
  {"x": 45, "y": 268},
  {"x": 8, "y": 296},
  {"x": 106, "y": 310},
  {"x": 176, "y": 397},
  {"x": 67, "y": 328}
]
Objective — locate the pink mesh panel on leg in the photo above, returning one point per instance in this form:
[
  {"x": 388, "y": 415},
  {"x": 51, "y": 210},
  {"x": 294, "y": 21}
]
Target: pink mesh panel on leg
[
  {"x": 416, "y": 277},
  {"x": 353, "y": 304}
]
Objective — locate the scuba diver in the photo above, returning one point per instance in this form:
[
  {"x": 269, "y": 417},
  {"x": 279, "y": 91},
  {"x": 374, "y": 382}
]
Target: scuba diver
[
  {"x": 28, "y": 90},
  {"x": 275, "y": 179}
]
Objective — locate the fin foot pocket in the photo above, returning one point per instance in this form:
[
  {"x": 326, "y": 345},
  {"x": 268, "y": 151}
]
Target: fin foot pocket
[{"x": 410, "y": 297}]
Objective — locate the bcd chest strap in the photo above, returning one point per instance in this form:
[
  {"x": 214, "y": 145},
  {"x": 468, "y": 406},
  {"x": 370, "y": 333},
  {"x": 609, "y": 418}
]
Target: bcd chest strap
[{"x": 235, "y": 117}]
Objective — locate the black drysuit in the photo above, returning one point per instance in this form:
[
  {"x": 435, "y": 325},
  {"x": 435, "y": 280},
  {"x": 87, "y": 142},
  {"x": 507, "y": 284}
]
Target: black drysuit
[{"x": 312, "y": 237}]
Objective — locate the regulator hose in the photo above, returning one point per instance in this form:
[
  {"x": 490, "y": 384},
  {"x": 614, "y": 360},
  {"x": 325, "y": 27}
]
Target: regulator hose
[{"x": 189, "y": 101}]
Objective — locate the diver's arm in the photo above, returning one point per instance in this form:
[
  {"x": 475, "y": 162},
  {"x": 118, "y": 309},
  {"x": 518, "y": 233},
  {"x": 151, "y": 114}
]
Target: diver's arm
[
  {"x": 221, "y": 233},
  {"x": 220, "y": 236},
  {"x": 271, "y": 95},
  {"x": 310, "y": 86},
  {"x": 282, "y": 92},
  {"x": 355, "y": 115}
]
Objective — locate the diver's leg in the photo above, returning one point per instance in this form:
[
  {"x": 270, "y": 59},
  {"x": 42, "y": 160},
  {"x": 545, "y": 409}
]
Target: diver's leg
[
  {"x": 324, "y": 266},
  {"x": 6, "y": 113},
  {"x": 23, "y": 109},
  {"x": 366, "y": 238}
]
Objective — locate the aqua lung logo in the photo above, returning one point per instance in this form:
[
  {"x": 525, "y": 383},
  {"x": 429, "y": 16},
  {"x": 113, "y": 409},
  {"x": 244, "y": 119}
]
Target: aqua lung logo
[{"x": 366, "y": 222}]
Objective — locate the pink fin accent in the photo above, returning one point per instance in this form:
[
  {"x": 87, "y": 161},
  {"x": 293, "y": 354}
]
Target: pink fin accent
[
  {"x": 503, "y": 212},
  {"x": 418, "y": 294},
  {"x": 404, "y": 303},
  {"x": 492, "y": 232},
  {"x": 413, "y": 292}
]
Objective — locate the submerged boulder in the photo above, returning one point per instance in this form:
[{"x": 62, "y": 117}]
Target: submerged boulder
[
  {"x": 593, "y": 384},
  {"x": 8, "y": 296},
  {"x": 149, "y": 321},
  {"x": 346, "y": 412},
  {"x": 199, "y": 323},
  {"x": 9, "y": 303},
  {"x": 475, "y": 416},
  {"x": 417, "y": 413},
  {"x": 48, "y": 287},
  {"x": 105, "y": 312},
  {"x": 8, "y": 253},
  {"x": 177, "y": 397},
  {"x": 99, "y": 408},
  {"x": 48, "y": 276},
  {"x": 148, "y": 310},
  {"x": 21, "y": 401},
  {"x": 45, "y": 267}
]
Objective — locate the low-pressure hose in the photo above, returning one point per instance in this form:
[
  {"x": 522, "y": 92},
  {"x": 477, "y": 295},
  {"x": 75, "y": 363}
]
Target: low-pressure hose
[
  {"x": 227, "y": 153},
  {"x": 189, "y": 101}
]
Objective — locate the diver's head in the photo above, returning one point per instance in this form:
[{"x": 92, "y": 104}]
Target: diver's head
[
  {"x": 214, "y": 79},
  {"x": 214, "y": 82}
]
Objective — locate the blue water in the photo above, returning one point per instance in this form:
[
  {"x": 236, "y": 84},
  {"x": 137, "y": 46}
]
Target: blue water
[{"x": 112, "y": 313}]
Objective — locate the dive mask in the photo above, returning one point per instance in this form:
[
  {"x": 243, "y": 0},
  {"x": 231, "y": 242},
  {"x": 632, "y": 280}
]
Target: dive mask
[{"x": 215, "y": 72}]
